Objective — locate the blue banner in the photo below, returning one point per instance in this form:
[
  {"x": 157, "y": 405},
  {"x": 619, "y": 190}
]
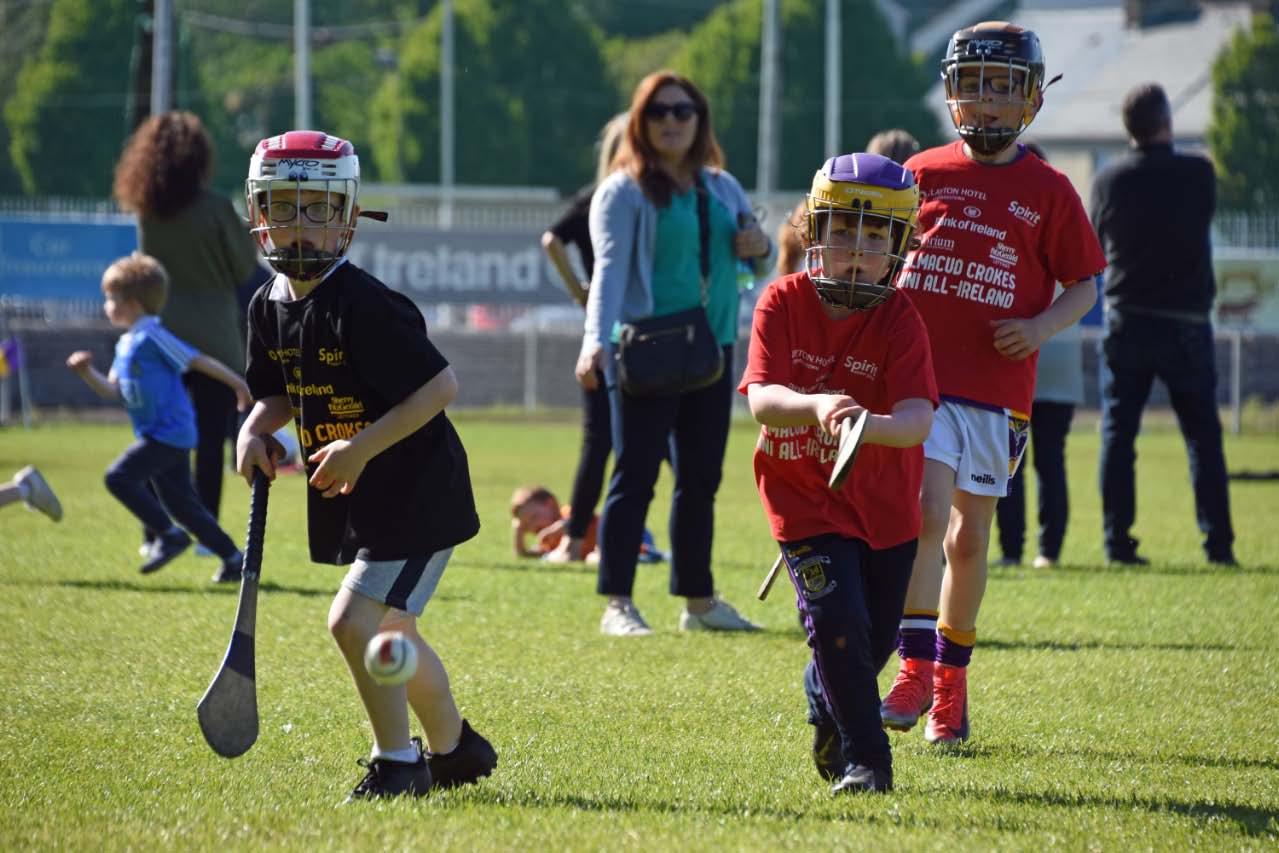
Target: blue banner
[{"x": 60, "y": 259}]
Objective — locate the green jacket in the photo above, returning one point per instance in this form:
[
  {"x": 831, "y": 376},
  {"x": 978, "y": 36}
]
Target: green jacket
[{"x": 208, "y": 254}]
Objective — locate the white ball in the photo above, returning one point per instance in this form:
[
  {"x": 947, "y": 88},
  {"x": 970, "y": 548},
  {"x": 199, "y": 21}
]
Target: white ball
[{"x": 391, "y": 658}]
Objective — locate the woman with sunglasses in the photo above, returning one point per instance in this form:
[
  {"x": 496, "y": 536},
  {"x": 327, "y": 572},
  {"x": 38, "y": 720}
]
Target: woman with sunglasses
[
  {"x": 646, "y": 236},
  {"x": 195, "y": 234}
]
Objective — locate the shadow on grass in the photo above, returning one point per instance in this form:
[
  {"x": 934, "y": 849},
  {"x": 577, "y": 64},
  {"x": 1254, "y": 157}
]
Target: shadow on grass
[
  {"x": 532, "y": 566},
  {"x": 1028, "y": 752},
  {"x": 1154, "y": 568},
  {"x": 1248, "y": 820},
  {"x": 216, "y": 589},
  {"x": 1107, "y": 645}
]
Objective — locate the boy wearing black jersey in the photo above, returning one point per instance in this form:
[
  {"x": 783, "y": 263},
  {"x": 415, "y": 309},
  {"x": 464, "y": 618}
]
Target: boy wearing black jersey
[{"x": 348, "y": 361}]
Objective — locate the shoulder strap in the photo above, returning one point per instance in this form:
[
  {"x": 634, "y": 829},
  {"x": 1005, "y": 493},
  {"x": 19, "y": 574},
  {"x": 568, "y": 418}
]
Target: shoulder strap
[{"x": 704, "y": 233}]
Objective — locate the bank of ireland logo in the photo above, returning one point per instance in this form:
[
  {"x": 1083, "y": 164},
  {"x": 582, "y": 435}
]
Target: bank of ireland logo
[{"x": 972, "y": 211}]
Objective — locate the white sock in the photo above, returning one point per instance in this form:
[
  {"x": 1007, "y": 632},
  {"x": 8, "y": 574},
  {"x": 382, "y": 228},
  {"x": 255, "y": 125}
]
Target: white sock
[{"x": 403, "y": 756}]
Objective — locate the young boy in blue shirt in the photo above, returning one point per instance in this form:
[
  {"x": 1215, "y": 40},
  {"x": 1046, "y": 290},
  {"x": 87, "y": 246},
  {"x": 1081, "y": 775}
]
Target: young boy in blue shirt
[{"x": 147, "y": 377}]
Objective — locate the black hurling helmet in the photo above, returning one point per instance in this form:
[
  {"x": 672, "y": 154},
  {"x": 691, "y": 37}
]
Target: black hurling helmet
[{"x": 989, "y": 46}]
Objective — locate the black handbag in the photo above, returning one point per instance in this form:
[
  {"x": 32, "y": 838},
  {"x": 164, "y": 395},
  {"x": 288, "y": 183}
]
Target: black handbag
[{"x": 678, "y": 352}]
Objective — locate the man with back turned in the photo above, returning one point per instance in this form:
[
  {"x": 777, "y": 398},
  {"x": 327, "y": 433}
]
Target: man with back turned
[{"x": 1152, "y": 210}]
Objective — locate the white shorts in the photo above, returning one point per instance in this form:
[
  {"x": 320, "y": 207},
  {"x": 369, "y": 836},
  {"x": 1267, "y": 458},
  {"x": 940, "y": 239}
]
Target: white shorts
[
  {"x": 982, "y": 446},
  {"x": 403, "y": 584}
]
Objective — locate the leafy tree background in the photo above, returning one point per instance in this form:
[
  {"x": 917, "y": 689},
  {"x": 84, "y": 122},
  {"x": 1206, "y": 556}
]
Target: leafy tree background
[
  {"x": 529, "y": 89},
  {"x": 65, "y": 118},
  {"x": 879, "y": 88},
  {"x": 535, "y": 80},
  {"x": 1244, "y": 133}
]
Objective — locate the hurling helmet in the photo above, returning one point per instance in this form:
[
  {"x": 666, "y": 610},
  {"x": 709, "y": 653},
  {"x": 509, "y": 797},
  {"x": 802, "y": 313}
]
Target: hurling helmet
[
  {"x": 284, "y": 166},
  {"x": 853, "y": 192},
  {"x": 988, "y": 46}
]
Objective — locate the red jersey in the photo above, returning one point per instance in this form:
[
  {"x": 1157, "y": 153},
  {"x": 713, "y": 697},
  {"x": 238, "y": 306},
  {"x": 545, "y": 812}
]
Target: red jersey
[
  {"x": 879, "y": 358},
  {"x": 995, "y": 241}
]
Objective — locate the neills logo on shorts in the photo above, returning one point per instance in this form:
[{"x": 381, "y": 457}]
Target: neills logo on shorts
[{"x": 983, "y": 479}]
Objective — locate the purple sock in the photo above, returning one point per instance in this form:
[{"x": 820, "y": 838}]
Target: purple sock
[
  {"x": 917, "y": 636},
  {"x": 950, "y": 653}
]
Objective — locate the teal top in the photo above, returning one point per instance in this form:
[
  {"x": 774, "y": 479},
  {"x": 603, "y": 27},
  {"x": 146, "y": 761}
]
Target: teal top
[{"x": 677, "y": 266}]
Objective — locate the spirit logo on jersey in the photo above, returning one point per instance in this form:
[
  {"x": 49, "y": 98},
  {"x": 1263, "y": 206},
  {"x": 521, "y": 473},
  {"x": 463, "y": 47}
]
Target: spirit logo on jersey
[{"x": 1025, "y": 214}]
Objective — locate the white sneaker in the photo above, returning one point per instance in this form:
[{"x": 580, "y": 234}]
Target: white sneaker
[
  {"x": 623, "y": 621},
  {"x": 721, "y": 617},
  {"x": 36, "y": 493}
]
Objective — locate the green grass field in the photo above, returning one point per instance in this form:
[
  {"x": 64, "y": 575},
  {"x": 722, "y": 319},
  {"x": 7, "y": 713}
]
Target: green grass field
[{"x": 1111, "y": 708}]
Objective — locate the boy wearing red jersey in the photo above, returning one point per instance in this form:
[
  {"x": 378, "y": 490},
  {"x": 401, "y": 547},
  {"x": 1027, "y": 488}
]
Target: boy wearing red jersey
[
  {"x": 826, "y": 344},
  {"x": 998, "y": 228}
]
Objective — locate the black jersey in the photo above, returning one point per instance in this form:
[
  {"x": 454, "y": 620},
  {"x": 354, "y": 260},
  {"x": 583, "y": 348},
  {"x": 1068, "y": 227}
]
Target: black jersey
[{"x": 344, "y": 355}]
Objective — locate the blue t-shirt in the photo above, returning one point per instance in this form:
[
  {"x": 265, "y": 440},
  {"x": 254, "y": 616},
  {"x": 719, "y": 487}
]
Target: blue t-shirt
[
  {"x": 677, "y": 264},
  {"x": 149, "y": 362}
]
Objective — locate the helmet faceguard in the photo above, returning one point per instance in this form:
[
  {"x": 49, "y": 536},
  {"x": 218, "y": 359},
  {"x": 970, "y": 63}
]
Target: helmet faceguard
[
  {"x": 858, "y": 221},
  {"x": 986, "y": 48},
  {"x": 301, "y": 198}
]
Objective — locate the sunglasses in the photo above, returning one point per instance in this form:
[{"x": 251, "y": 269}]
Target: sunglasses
[{"x": 682, "y": 111}]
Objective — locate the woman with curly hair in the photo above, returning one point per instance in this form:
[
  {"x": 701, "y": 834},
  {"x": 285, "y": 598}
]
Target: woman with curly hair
[{"x": 163, "y": 176}]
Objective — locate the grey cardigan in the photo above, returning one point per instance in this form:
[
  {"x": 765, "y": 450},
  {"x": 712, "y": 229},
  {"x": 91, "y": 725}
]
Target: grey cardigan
[{"x": 623, "y": 225}]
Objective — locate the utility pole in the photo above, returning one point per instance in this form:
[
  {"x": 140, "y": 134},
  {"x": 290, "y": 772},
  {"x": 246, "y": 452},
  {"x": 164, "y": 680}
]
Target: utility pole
[
  {"x": 770, "y": 73},
  {"x": 446, "y": 116},
  {"x": 302, "y": 64},
  {"x": 162, "y": 57},
  {"x": 833, "y": 42}
]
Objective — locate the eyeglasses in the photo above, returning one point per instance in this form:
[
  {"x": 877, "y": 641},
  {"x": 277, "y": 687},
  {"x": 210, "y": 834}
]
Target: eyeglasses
[
  {"x": 318, "y": 212},
  {"x": 682, "y": 111},
  {"x": 972, "y": 86}
]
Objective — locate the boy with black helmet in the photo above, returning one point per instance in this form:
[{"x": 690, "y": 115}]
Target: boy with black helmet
[
  {"x": 826, "y": 344},
  {"x": 999, "y": 227}
]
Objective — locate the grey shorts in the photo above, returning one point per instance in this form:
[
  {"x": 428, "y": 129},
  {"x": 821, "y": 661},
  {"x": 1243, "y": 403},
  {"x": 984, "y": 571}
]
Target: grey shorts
[{"x": 403, "y": 584}]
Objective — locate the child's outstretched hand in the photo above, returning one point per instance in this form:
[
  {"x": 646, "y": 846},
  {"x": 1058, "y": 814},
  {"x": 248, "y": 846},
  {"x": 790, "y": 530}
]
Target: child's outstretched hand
[
  {"x": 340, "y": 464},
  {"x": 80, "y": 361},
  {"x": 831, "y": 409}
]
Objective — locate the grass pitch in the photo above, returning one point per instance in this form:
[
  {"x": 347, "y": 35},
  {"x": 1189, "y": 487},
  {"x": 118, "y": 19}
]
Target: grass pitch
[{"x": 1111, "y": 708}]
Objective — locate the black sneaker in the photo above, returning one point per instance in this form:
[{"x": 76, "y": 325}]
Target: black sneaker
[
  {"x": 229, "y": 571},
  {"x": 167, "y": 546},
  {"x": 386, "y": 778},
  {"x": 472, "y": 758},
  {"x": 828, "y": 752},
  {"x": 862, "y": 779}
]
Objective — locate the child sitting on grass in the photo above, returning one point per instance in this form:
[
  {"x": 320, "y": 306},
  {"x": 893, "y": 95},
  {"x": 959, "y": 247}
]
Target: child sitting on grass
[{"x": 536, "y": 512}]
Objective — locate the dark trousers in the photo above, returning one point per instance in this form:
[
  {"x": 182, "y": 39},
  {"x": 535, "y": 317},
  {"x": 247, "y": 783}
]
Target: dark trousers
[
  {"x": 693, "y": 428},
  {"x": 850, "y": 599},
  {"x": 1049, "y": 426},
  {"x": 1134, "y": 351},
  {"x": 597, "y": 443},
  {"x": 215, "y": 424},
  {"x": 151, "y": 464}
]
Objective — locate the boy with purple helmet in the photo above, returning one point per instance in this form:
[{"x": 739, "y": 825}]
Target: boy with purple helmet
[{"x": 826, "y": 344}]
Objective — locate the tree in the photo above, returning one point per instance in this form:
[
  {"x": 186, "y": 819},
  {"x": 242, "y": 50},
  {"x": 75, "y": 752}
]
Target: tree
[
  {"x": 530, "y": 97},
  {"x": 66, "y": 118},
  {"x": 880, "y": 88},
  {"x": 1244, "y": 133},
  {"x": 22, "y": 30}
]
